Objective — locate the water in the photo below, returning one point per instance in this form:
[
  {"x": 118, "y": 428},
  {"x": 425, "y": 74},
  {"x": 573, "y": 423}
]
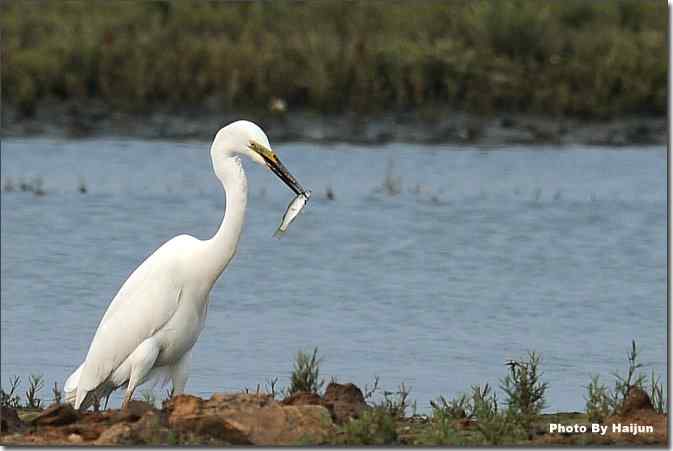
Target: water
[{"x": 481, "y": 257}]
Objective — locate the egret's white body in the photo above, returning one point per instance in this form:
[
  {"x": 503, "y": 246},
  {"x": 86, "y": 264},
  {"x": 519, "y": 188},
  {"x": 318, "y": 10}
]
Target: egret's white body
[{"x": 158, "y": 314}]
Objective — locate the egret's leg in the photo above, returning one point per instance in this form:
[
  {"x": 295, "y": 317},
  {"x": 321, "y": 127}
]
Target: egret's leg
[
  {"x": 141, "y": 361},
  {"x": 179, "y": 373}
]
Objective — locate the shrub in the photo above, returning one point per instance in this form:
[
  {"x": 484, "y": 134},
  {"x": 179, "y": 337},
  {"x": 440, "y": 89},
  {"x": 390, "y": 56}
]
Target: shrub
[
  {"x": 149, "y": 397},
  {"x": 441, "y": 431},
  {"x": 306, "y": 373},
  {"x": 395, "y": 403},
  {"x": 623, "y": 383},
  {"x": 597, "y": 401},
  {"x": 375, "y": 426},
  {"x": 657, "y": 394},
  {"x": 525, "y": 391},
  {"x": 35, "y": 384},
  {"x": 456, "y": 408},
  {"x": 58, "y": 395},
  {"x": 328, "y": 56},
  {"x": 495, "y": 426},
  {"x": 11, "y": 399}
]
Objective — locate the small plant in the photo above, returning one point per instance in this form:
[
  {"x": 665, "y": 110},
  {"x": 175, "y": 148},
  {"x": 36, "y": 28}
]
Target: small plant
[
  {"x": 525, "y": 391},
  {"x": 392, "y": 184},
  {"x": 375, "y": 426},
  {"x": 82, "y": 186},
  {"x": 306, "y": 373},
  {"x": 456, "y": 408},
  {"x": 441, "y": 431},
  {"x": 272, "y": 387},
  {"x": 601, "y": 400},
  {"x": 58, "y": 395},
  {"x": 496, "y": 427},
  {"x": 657, "y": 394},
  {"x": 329, "y": 193},
  {"x": 369, "y": 391},
  {"x": 598, "y": 401},
  {"x": 396, "y": 403},
  {"x": 35, "y": 384},
  {"x": 11, "y": 399},
  {"x": 623, "y": 384},
  {"x": 149, "y": 397}
]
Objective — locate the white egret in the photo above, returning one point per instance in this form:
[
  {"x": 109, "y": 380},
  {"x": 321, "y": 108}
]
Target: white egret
[{"x": 156, "y": 317}]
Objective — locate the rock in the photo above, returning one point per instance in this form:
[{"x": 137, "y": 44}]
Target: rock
[
  {"x": 246, "y": 419},
  {"x": 10, "y": 421},
  {"x": 57, "y": 415},
  {"x": 303, "y": 398},
  {"x": 636, "y": 399},
  {"x": 189, "y": 414},
  {"x": 133, "y": 411},
  {"x": 184, "y": 405},
  {"x": 344, "y": 401},
  {"x": 118, "y": 434},
  {"x": 223, "y": 419},
  {"x": 152, "y": 429},
  {"x": 75, "y": 438},
  {"x": 149, "y": 429}
]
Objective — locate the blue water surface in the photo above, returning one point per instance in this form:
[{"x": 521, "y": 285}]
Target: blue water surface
[{"x": 480, "y": 257}]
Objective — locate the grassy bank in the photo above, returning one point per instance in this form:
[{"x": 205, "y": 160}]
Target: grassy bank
[{"x": 577, "y": 58}]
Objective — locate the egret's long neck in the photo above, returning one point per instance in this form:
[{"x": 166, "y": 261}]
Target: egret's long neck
[{"x": 220, "y": 249}]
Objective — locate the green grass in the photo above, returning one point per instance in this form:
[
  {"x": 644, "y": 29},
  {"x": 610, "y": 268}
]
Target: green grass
[
  {"x": 305, "y": 375},
  {"x": 572, "y": 57},
  {"x": 375, "y": 426},
  {"x": 597, "y": 400}
]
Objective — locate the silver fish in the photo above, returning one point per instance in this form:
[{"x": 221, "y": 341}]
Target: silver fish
[{"x": 293, "y": 210}]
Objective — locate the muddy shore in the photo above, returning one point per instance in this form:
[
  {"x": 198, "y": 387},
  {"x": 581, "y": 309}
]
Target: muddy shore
[{"x": 72, "y": 120}]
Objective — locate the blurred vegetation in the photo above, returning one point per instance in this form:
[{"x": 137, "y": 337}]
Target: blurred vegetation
[{"x": 571, "y": 57}]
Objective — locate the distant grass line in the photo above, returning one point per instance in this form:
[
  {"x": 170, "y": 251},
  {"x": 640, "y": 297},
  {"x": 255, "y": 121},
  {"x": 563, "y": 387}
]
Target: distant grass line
[{"x": 571, "y": 57}]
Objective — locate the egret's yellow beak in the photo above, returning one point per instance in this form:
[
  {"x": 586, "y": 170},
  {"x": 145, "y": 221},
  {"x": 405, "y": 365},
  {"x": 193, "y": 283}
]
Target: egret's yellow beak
[{"x": 278, "y": 168}]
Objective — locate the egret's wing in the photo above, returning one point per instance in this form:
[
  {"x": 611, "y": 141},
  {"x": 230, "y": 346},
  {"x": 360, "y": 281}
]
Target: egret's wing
[{"x": 144, "y": 304}]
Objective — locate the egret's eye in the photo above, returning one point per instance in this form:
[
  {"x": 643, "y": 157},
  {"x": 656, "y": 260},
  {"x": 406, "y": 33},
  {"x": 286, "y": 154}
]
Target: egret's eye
[
  {"x": 275, "y": 165},
  {"x": 263, "y": 151}
]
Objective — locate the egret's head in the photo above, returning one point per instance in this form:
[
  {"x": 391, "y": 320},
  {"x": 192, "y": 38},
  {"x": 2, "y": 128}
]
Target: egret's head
[{"x": 246, "y": 138}]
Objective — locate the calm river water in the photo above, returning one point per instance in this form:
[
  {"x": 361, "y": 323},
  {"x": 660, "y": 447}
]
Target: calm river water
[{"x": 482, "y": 256}]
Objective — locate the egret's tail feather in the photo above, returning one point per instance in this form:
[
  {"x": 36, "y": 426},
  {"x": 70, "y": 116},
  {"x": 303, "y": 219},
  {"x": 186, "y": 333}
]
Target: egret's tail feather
[
  {"x": 89, "y": 399},
  {"x": 70, "y": 397},
  {"x": 70, "y": 386}
]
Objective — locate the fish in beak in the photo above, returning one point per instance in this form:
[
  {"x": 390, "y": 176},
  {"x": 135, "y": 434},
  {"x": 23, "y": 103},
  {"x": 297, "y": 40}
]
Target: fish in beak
[
  {"x": 293, "y": 210},
  {"x": 270, "y": 159}
]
